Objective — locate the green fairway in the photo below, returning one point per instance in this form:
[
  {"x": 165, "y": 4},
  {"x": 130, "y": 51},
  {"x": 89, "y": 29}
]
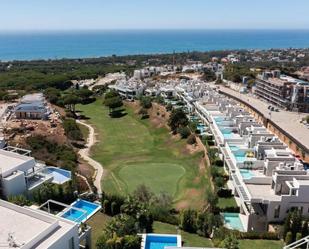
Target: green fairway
[
  {"x": 132, "y": 151},
  {"x": 135, "y": 175}
]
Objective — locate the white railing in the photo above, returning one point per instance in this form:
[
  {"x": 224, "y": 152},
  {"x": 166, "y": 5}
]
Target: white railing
[{"x": 298, "y": 243}]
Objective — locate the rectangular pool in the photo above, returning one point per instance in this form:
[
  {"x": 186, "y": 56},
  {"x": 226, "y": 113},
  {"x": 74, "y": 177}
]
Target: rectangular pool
[
  {"x": 161, "y": 241},
  {"x": 246, "y": 173},
  {"x": 233, "y": 221},
  {"x": 81, "y": 211}
]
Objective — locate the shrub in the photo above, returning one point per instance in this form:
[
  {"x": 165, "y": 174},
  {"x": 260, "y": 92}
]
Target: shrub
[
  {"x": 224, "y": 193},
  {"x": 230, "y": 209},
  {"x": 219, "y": 163},
  {"x": 188, "y": 220},
  {"x": 191, "y": 139},
  {"x": 210, "y": 143},
  {"x": 184, "y": 132},
  {"x": 288, "y": 238},
  {"x": 146, "y": 102}
]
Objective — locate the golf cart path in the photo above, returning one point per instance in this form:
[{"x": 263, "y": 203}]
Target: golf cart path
[{"x": 85, "y": 154}]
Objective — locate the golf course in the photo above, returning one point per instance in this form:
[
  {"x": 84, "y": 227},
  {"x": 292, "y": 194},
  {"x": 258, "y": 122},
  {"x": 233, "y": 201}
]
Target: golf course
[{"x": 134, "y": 152}]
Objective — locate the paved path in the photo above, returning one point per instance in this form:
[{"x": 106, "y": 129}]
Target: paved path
[{"x": 85, "y": 154}]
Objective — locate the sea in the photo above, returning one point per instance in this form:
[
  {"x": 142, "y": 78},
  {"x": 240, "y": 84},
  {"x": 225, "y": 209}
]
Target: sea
[{"x": 33, "y": 45}]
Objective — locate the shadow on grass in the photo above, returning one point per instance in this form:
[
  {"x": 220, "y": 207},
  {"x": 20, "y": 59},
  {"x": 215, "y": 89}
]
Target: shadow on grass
[{"x": 118, "y": 114}]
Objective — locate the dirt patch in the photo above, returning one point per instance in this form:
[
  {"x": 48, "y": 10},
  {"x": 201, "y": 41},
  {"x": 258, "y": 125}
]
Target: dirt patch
[
  {"x": 85, "y": 169},
  {"x": 192, "y": 199}
]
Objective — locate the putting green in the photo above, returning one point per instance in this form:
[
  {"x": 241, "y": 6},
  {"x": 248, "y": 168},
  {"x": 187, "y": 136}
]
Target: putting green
[{"x": 160, "y": 177}]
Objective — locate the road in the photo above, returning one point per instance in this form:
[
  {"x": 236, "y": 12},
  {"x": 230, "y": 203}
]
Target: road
[
  {"x": 288, "y": 121},
  {"x": 85, "y": 154}
]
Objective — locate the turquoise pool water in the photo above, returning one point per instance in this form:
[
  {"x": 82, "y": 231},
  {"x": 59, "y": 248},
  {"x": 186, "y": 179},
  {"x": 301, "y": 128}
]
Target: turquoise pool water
[
  {"x": 232, "y": 221},
  {"x": 234, "y": 147},
  {"x": 240, "y": 156},
  {"x": 87, "y": 209},
  {"x": 219, "y": 119},
  {"x": 160, "y": 242},
  {"x": 60, "y": 175},
  {"x": 246, "y": 173}
]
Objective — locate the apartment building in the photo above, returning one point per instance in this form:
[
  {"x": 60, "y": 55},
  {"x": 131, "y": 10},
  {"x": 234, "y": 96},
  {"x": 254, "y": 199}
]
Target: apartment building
[
  {"x": 26, "y": 228},
  {"x": 283, "y": 91},
  {"x": 128, "y": 89},
  {"x": 32, "y": 106},
  {"x": 266, "y": 178},
  {"x": 21, "y": 174}
]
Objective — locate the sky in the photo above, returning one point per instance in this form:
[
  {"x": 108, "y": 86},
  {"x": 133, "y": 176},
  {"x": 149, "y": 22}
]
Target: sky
[{"x": 156, "y": 14}]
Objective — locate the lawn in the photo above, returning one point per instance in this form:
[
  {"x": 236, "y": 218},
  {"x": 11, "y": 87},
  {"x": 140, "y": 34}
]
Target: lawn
[
  {"x": 227, "y": 202},
  {"x": 257, "y": 244},
  {"x": 189, "y": 239},
  {"x": 133, "y": 152},
  {"x": 97, "y": 223}
]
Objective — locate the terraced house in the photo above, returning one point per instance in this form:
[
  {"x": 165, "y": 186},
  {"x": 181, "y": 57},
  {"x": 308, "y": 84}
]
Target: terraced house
[{"x": 266, "y": 178}]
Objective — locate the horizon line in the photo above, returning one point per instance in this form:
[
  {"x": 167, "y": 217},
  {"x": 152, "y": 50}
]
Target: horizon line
[{"x": 152, "y": 29}]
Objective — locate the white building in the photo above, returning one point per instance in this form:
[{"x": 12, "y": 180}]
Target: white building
[
  {"x": 21, "y": 174},
  {"x": 265, "y": 177},
  {"x": 26, "y": 228}
]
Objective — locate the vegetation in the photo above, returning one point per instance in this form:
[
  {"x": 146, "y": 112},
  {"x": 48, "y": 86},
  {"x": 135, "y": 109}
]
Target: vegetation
[
  {"x": 177, "y": 120},
  {"x": 113, "y": 101},
  {"x": 235, "y": 72},
  {"x": 52, "y": 153},
  {"x": 72, "y": 130},
  {"x": 62, "y": 193},
  {"x": 133, "y": 151},
  {"x": 295, "y": 226}
]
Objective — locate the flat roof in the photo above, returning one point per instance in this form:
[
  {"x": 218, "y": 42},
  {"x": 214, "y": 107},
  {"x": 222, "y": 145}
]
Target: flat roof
[
  {"x": 11, "y": 161},
  {"x": 262, "y": 191},
  {"x": 30, "y": 227},
  {"x": 288, "y": 121}
]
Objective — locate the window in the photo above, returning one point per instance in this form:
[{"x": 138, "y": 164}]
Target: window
[
  {"x": 294, "y": 192},
  {"x": 71, "y": 243},
  {"x": 277, "y": 211}
]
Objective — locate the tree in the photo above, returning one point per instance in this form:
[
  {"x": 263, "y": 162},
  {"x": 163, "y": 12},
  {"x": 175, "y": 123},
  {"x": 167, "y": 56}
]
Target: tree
[
  {"x": 184, "y": 132},
  {"x": 188, "y": 220},
  {"x": 113, "y": 103},
  {"x": 177, "y": 119},
  {"x": 146, "y": 102},
  {"x": 230, "y": 242},
  {"x": 212, "y": 200},
  {"x": 143, "y": 194},
  {"x": 70, "y": 100},
  {"x": 288, "y": 238}
]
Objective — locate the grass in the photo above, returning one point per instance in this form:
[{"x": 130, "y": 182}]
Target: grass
[
  {"x": 97, "y": 223},
  {"x": 257, "y": 244},
  {"x": 134, "y": 152},
  {"x": 189, "y": 239},
  {"x": 84, "y": 130},
  {"x": 227, "y": 202}
]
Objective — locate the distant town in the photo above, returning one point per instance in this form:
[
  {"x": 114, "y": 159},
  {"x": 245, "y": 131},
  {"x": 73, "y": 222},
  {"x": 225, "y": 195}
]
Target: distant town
[{"x": 181, "y": 150}]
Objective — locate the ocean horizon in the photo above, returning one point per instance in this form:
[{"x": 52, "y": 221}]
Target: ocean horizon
[{"x": 33, "y": 45}]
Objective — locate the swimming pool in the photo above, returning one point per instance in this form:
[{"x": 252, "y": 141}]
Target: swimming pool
[
  {"x": 161, "y": 241},
  {"x": 233, "y": 221},
  {"x": 234, "y": 147},
  {"x": 219, "y": 119},
  {"x": 81, "y": 211},
  {"x": 60, "y": 176},
  {"x": 246, "y": 173}
]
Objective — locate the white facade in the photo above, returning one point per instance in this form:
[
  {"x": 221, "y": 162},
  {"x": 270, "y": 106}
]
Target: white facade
[
  {"x": 267, "y": 180},
  {"x": 25, "y": 228}
]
